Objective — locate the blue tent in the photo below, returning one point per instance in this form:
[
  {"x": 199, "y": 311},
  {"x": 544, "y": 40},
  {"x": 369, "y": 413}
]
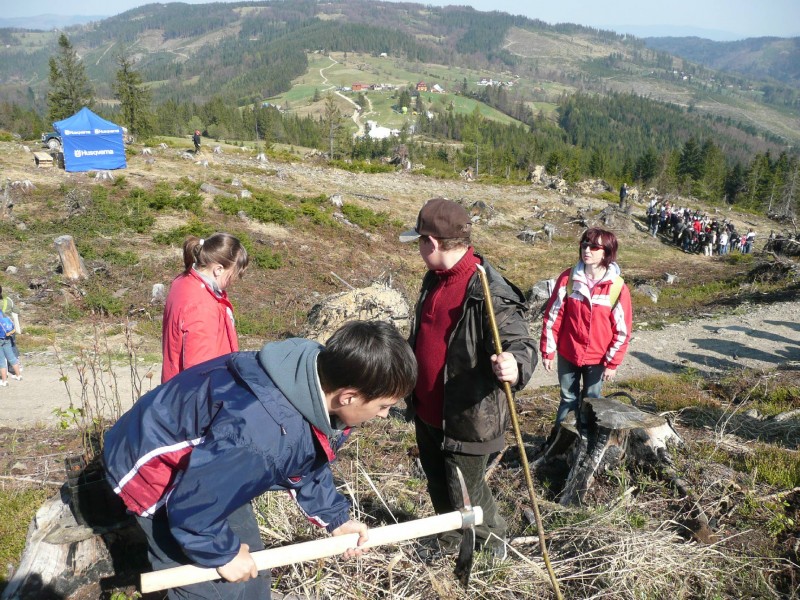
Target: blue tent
[{"x": 91, "y": 143}]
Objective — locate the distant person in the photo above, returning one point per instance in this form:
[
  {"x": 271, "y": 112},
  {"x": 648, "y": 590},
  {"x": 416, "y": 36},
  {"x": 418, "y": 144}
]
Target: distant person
[
  {"x": 587, "y": 323},
  {"x": 459, "y": 407},
  {"x": 7, "y": 306},
  {"x": 7, "y": 356},
  {"x": 623, "y": 195},
  {"x": 198, "y": 319},
  {"x": 189, "y": 457},
  {"x": 196, "y": 140},
  {"x": 749, "y": 239}
]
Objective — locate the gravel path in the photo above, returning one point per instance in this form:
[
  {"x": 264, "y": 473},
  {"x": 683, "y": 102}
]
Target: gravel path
[{"x": 762, "y": 337}]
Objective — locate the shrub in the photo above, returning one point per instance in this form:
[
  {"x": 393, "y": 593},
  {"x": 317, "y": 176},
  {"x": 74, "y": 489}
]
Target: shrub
[
  {"x": 177, "y": 235},
  {"x": 364, "y": 217},
  {"x": 261, "y": 207},
  {"x": 100, "y": 300}
]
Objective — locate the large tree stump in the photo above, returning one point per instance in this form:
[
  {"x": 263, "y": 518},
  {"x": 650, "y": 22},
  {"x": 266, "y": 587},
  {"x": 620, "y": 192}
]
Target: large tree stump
[
  {"x": 79, "y": 545},
  {"x": 71, "y": 262},
  {"x": 611, "y": 433}
]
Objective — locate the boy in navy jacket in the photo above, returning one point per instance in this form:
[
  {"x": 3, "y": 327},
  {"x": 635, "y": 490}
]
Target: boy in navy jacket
[{"x": 189, "y": 456}]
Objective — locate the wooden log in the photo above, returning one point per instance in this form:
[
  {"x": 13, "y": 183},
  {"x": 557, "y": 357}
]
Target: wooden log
[
  {"x": 611, "y": 433},
  {"x": 71, "y": 262}
]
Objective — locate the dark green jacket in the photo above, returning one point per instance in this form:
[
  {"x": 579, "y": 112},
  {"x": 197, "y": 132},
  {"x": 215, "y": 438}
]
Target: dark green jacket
[{"x": 475, "y": 407}]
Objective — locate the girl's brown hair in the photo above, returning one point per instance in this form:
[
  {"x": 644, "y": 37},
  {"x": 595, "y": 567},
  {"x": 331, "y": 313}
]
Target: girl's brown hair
[{"x": 222, "y": 248}]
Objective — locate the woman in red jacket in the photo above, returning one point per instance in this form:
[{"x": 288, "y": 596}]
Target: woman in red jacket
[
  {"x": 587, "y": 322},
  {"x": 198, "y": 320}
]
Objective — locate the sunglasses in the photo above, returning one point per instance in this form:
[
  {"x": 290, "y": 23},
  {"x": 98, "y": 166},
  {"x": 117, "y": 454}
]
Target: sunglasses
[{"x": 591, "y": 247}]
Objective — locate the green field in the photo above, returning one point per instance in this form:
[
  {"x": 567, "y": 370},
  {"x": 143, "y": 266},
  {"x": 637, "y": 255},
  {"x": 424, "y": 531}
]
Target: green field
[{"x": 337, "y": 71}]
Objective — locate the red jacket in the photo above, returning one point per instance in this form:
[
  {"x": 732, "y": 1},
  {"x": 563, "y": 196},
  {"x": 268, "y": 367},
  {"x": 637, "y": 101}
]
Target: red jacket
[
  {"x": 583, "y": 328},
  {"x": 198, "y": 325}
]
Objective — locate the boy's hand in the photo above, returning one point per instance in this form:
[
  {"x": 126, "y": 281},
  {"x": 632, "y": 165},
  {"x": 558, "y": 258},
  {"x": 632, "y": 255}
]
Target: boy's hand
[
  {"x": 547, "y": 363},
  {"x": 241, "y": 568},
  {"x": 505, "y": 367},
  {"x": 353, "y": 527}
]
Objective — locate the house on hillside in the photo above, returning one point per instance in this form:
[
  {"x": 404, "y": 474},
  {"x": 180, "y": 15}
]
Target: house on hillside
[
  {"x": 377, "y": 132},
  {"x": 437, "y": 89},
  {"x": 358, "y": 87},
  {"x": 422, "y": 86}
]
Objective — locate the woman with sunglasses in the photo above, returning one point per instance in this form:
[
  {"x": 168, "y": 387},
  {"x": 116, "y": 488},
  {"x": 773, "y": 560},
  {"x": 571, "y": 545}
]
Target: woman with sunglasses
[{"x": 587, "y": 322}]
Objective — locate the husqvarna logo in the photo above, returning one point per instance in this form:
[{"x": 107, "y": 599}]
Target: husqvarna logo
[{"x": 80, "y": 153}]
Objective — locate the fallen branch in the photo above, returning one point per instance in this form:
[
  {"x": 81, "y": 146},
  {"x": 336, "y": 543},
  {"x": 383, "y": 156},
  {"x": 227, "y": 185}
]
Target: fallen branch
[{"x": 32, "y": 480}]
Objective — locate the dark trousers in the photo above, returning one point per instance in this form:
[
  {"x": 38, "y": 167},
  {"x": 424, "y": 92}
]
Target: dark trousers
[
  {"x": 445, "y": 490},
  {"x": 164, "y": 552}
]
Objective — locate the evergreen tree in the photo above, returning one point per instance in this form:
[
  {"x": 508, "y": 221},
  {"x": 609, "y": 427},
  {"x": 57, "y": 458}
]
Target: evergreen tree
[
  {"x": 70, "y": 88},
  {"x": 134, "y": 99},
  {"x": 790, "y": 192},
  {"x": 332, "y": 119},
  {"x": 405, "y": 100},
  {"x": 690, "y": 164},
  {"x": 646, "y": 167}
]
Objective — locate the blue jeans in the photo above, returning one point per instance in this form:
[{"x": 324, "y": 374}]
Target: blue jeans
[
  {"x": 7, "y": 356},
  {"x": 569, "y": 376}
]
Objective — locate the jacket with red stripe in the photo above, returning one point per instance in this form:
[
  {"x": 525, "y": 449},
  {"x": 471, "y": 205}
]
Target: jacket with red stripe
[
  {"x": 222, "y": 433},
  {"x": 197, "y": 325},
  {"x": 583, "y": 328}
]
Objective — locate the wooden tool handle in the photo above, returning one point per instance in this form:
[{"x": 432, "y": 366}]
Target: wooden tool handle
[{"x": 287, "y": 555}]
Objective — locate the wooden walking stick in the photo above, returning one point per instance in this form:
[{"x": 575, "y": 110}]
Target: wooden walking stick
[{"x": 498, "y": 346}]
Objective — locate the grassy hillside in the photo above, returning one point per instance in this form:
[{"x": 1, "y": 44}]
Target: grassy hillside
[{"x": 250, "y": 51}]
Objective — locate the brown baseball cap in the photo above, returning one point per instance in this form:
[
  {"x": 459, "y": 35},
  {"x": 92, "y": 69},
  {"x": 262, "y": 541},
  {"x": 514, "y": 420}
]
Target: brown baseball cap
[{"x": 442, "y": 219}]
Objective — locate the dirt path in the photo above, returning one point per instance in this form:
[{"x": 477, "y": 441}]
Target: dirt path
[{"x": 762, "y": 337}]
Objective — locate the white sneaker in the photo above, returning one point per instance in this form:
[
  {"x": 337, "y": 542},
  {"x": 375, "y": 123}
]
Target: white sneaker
[
  {"x": 3, "y": 383},
  {"x": 17, "y": 377}
]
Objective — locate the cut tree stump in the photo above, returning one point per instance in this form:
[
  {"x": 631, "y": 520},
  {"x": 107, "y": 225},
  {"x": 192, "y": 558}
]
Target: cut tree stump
[
  {"x": 81, "y": 543},
  {"x": 612, "y": 433},
  {"x": 71, "y": 262}
]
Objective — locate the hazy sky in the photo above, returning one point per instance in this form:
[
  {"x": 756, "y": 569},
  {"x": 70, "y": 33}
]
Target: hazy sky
[{"x": 739, "y": 18}]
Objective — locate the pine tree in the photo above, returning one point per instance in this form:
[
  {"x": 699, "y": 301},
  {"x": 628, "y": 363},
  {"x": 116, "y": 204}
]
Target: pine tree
[
  {"x": 134, "y": 99},
  {"x": 70, "y": 88},
  {"x": 332, "y": 120}
]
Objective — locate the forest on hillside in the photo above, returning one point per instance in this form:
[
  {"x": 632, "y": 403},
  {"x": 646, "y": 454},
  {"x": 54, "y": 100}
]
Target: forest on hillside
[{"x": 615, "y": 136}]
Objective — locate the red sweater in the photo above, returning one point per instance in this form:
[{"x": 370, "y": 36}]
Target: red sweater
[
  {"x": 441, "y": 311},
  {"x": 198, "y": 325}
]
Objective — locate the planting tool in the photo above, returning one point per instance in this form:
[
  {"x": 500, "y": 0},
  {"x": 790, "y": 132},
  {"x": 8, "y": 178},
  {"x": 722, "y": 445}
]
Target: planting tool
[
  {"x": 465, "y": 519},
  {"x": 498, "y": 347}
]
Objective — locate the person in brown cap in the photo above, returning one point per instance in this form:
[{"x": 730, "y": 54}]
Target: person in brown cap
[{"x": 458, "y": 405}]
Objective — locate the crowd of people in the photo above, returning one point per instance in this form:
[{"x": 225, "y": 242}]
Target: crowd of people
[{"x": 695, "y": 231}]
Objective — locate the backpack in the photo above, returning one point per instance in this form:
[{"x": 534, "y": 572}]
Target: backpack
[
  {"x": 613, "y": 292},
  {"x": 6, "y": 326}
]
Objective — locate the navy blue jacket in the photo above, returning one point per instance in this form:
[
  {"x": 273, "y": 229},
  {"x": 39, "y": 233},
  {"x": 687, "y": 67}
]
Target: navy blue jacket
[{"x": 222, "y": 433}]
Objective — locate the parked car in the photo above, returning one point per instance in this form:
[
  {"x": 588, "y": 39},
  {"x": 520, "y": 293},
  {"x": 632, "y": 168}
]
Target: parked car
[{"x": 52, "y": 140}]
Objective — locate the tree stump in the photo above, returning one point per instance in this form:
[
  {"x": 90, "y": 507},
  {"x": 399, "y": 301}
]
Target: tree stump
[
  {"x": 611, "y": 433},
  {"x": 71, "y": 262}
]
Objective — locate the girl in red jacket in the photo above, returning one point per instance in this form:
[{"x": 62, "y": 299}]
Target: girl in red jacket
[
  {"x": 198, "y": 320},
  {"x": 587, "y": 322}
]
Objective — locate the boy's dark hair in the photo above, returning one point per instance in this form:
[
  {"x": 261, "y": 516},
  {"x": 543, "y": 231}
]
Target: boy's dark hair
[{"x": 369, "y": 356}]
